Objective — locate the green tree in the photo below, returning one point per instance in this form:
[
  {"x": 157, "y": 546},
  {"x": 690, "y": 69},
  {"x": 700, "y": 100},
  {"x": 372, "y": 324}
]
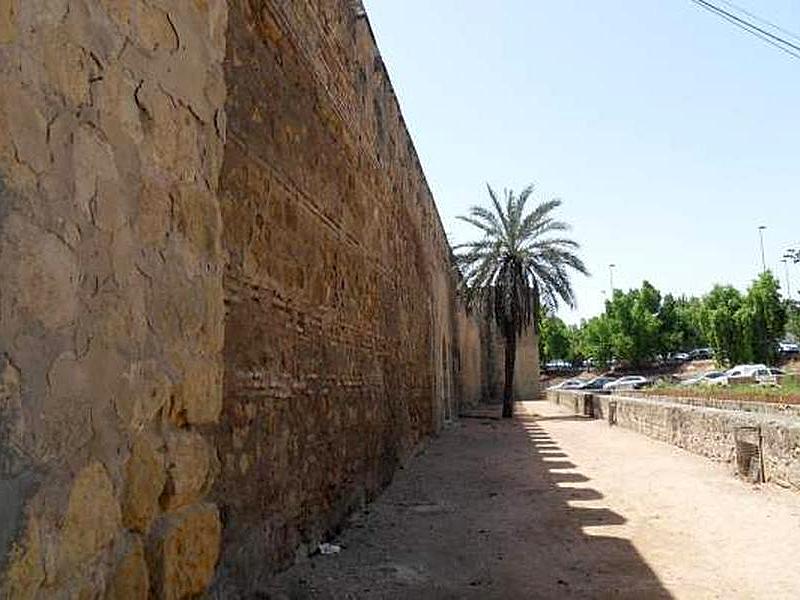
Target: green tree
[
  {"x": 520, "y": 263},
  {"x": 634, "y": 323},
  {"x": 576, "y": 344},
  {"x": 680, "y": 324},
  {"x": 595, "y": 340},
  {"x": 793, "y": 319},
  {"x": 722, "y": 324},
  {"x": 763, "y": 318},
  {"x": 555, "y": 340}
]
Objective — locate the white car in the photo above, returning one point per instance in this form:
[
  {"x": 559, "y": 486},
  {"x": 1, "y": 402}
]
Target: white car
[
  {"x": 567, "y": 384},
  {"x": 629, "y": 382},
  {"x": 710, "y": 378},
  {"x": 751, "y": 374}
]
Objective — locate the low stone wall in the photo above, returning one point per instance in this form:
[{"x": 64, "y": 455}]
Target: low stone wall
[
  {"x": 769, "y": 408},
  {"x": 705, "y": 430}
]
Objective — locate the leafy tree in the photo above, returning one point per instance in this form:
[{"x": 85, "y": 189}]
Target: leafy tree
[
  {"x": 639, "y": 324},
  {"x": 520, "y": 263},
  {"x": 577, "y": 355},
  {"x": 680, "y": 327},
  {"x": 720, "y": 324},
  {"x": 555, "y": 340},
  {"x": 634, "y": 323},
  {"x": 763, "y": 318},
  {"x": 595, "y": 340},
  {"x": 793, "y": 319}
]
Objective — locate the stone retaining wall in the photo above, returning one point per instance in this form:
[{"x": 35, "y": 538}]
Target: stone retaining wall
[
  {"x": 768, "y": 408},
  {"x": 707, "y": 431}
]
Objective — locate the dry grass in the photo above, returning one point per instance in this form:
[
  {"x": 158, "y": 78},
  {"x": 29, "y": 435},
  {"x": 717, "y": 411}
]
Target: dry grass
[{"x": 787, "y": 393}]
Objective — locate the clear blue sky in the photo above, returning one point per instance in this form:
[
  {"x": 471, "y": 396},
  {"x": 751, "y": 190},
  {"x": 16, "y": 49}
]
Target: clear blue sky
[{"x": 669, "y": 134}]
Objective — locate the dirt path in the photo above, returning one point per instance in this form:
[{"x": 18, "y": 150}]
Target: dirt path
[{"x": 555, "y": 506}]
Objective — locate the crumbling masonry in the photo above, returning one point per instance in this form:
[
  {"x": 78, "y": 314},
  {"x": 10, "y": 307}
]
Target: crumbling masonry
[{"x": 227, "y": 305}]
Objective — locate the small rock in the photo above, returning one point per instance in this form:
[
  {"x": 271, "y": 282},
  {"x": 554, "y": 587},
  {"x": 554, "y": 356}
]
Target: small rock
[{"x": 328, "y": 549}]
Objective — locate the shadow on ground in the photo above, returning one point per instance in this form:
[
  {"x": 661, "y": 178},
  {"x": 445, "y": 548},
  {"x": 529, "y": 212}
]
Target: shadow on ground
[{"x": 490, "y": 510}]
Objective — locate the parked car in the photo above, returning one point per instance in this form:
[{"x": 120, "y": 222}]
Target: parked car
[
  {"x": 750, "y": 374},
  {"x": 788, "y": 348},
  {"x": 567, "y": 384},
  {"x": 677, "y": 358},
  {"x": 557, "y": 365},
  {"x": 779, "y": 374},
  {"x": 629, "y": 382},
  {"x": 701, "y": 354},
  {"x": 710, "y": 378},
  {"x": 596, "y": 384}
]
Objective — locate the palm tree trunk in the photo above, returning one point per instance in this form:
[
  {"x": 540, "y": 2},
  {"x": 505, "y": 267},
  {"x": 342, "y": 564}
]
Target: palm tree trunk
[{"x": 508, "y": 389}]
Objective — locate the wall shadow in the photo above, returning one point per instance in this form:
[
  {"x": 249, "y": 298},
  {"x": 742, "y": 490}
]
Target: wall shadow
[
  {"x": 595, "y": 565},
  {"x": 484, "y": 513}
]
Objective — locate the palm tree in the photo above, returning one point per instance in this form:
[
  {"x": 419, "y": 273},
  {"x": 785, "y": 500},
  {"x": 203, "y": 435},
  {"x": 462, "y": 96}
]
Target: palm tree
[{"x": 517, "y": 267}]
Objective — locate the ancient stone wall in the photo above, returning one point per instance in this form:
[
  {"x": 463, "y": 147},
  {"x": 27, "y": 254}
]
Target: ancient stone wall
[
  {"x": 526, "y": 367},
  {"x": 111, "y": 300},
  {"x": 227, "y": 304},
  {"x": 342, "y": 338}
]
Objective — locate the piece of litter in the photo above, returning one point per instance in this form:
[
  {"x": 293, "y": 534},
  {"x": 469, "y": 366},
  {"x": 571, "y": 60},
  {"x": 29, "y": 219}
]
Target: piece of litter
[{"x": 329, "y": 548}]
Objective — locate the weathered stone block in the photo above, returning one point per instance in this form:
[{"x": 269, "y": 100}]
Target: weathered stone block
[
  {"x": 145, "y": 477},
  {"x": 25, "y": 573},
  {"x": 130, "y": 580},
  {"x": 153, "y": 29},
  {"x": 92, "y": 519},
  {"x": 197, "y": 398},
  {"x": 40, "y": 275},
  {"x": 27, "y": 128},
  {"x": 146, "y": 392},
  {"x": 8, "y": 14},
  {"x": 184, "y": 551},
  {"x": 68, "y": 68},
  {"x": 188, "y": 467}
]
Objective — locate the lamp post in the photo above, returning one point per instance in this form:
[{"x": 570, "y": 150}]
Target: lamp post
[
  {"x": 611, "y": 279},
  {"x": 761, "y": 229},
  {"x": 785, "y": 261}
]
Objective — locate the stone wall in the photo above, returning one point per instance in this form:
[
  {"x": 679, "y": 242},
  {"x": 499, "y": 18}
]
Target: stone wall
[
  {"x": 227, "y": 304},
  {"x": 705, "y": 430},
  {"x": 526, "y": 367},
  {"x": 344, "y": 346},
  {"x": 111, "y": 300}
]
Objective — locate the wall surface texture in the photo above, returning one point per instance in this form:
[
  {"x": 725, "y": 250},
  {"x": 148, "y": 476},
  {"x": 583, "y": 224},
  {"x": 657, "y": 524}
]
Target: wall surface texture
[
  {"x": 111, "y": 299},
  {"x": 227, "y": 303},
  {"x": 343, "y": 344}
]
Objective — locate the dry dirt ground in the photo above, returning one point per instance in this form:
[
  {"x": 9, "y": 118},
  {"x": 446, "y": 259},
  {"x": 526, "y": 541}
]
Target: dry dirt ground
[{"x": 555, "y": 506}]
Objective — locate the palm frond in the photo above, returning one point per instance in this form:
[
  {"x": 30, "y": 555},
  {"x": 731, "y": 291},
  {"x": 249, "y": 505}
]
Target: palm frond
[{"x": 518, "y": 265}]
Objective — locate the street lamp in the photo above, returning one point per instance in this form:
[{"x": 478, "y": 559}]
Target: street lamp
[
  {"x": 785, "y": 262},
  {"x": 761, "y": 229},
  {"x": 611, "y": 278}
]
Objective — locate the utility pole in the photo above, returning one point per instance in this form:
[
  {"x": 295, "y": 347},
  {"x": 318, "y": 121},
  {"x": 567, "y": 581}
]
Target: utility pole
[
  {"x": 761, "y": 229},
  {"x": 785, "y": 262}
]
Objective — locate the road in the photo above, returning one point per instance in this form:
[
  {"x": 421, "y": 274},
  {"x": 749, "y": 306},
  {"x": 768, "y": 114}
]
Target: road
[{"x": 551, "y": 505}]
